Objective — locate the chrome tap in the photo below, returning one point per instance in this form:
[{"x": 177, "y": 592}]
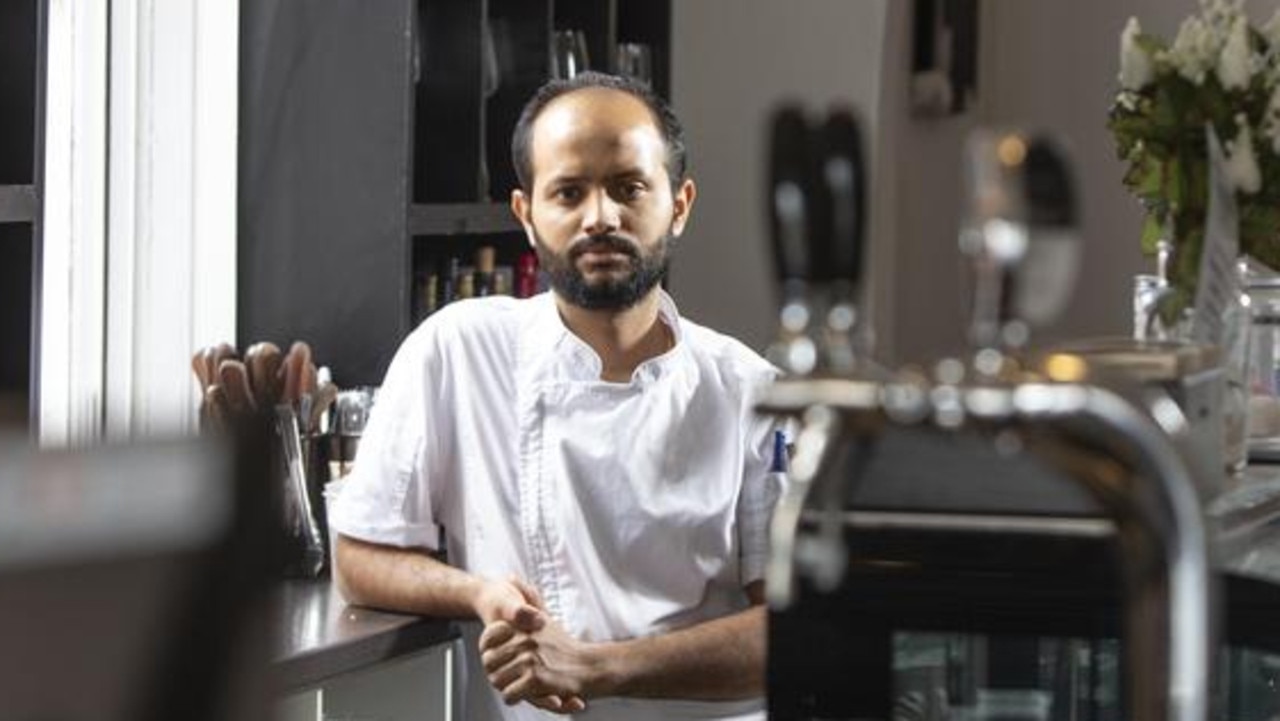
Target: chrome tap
[
  {"x": 1020, "y": 236},
  {"x": 817, "y": 216}
]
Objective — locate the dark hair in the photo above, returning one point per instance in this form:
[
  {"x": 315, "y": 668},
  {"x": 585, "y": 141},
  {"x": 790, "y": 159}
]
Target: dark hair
[{"x": 667, "y": 122}]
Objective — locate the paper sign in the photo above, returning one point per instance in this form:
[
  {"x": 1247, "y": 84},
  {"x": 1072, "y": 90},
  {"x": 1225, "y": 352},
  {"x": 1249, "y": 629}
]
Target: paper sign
[{"x": 1218, "y": 287}]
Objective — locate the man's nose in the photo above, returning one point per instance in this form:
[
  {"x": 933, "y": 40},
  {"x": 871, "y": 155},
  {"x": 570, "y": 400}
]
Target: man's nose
[{"x": 601, "y": 214}]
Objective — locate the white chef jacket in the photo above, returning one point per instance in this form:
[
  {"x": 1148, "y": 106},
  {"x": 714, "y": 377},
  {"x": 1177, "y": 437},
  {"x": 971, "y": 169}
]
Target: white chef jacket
[{"x": 634, "y": 508}]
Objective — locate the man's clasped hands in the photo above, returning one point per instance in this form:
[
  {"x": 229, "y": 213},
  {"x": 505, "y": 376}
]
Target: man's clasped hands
[{"x": 528, "y": 656}]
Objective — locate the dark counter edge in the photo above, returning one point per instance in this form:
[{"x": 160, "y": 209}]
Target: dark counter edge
[{"x": 399, "y": 636}]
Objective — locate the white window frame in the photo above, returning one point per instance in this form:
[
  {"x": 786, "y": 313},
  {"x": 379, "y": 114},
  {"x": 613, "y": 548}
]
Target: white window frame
[
  {"x": 73, "y": 247},
  {"x": 138, "y": 271}
]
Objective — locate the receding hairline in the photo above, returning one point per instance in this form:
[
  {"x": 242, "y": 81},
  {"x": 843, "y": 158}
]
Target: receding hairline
[
  {"x": 666, "y": 121},
  {"x": 654, "y": 121},
  {"x": 654, "y": 125}
]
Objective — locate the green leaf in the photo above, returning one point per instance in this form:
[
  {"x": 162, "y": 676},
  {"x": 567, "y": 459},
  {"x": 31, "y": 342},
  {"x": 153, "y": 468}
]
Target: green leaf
[
  {"x": 1150, "y": 44},
  {"x": 1172, "y": 182},
  {"x": 1152, "y": 232}
]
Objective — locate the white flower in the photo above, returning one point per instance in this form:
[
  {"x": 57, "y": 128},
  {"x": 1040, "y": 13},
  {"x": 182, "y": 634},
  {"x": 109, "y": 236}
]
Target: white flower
[
  {"x": 1234, "y": 61},
  {"x": 1271, "y": 122},
  {"x": 1271, "y": 31},
  {"x": 1135, "y": 65},
  {"x": 1242, "y": 164},
  {"x": 1194, "y": 51}
]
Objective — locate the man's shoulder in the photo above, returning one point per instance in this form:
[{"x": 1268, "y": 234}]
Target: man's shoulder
[
  {"x": 487, "y": 317},
  {"x": 726, "y": 355}
]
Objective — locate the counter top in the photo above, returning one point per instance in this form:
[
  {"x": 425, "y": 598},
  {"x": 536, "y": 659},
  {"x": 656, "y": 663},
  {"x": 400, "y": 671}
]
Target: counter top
[{"x": 321, "y": 636}]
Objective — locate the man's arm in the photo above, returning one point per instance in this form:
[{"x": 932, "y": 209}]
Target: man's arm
[
  {"x": 718, "y": 660},
  {"x": 411, "y": 581}
]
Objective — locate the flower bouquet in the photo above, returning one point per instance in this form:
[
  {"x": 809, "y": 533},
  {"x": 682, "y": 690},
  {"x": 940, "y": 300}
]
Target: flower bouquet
[{"x": 1220, "y": 71}]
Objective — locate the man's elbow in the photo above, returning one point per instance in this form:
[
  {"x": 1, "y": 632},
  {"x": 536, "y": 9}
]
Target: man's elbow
[{"x": 343, "y": 568}]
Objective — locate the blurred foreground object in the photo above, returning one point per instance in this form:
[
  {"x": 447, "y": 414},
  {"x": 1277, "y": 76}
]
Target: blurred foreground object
[
  {"x": 285, "y": 397},
  {"x": 134, "y": 583}
]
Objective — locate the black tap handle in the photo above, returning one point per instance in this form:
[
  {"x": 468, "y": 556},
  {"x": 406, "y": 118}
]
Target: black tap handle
[
  {"x": 1044, "y": 281},
  {"x": 844, "y": 178},
  {"x": 1050, "y": 189},
  {"x": 790, "y": 196}
]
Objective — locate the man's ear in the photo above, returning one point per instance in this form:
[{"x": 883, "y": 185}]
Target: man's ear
[
  {"x": 522, "y": 208},
  {"x": 682, "y": 205}
]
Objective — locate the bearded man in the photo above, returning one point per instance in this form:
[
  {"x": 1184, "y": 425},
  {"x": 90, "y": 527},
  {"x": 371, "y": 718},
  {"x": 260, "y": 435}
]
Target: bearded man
[{"x": 579, "y": 476}]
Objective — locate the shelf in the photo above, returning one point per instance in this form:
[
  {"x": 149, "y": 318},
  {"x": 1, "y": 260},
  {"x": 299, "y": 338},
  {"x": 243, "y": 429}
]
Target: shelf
[
  {"x": 17, "y": 204},
  {"x": 461, "y": 219}
]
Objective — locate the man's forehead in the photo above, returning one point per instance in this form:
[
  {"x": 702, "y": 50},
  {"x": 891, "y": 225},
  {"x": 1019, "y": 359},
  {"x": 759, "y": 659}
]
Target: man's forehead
[{"x": 600, "y": 109}]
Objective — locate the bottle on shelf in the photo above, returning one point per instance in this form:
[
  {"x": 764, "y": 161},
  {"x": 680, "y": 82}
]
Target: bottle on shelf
[
  {"x": 448, "y": 279},
  {"x": 430, "y": 294},
  {"x": 527, "y": 275},
  {"x": 483, "y": 278},
  {"x": 504, "y": 280},
  {"x": 466, "y": 286}
]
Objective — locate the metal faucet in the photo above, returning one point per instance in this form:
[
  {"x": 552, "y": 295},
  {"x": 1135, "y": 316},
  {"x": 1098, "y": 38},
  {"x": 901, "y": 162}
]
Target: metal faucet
[
  {"x": 1155, "y": 508},
  {"x": 1019, "y": 234}
]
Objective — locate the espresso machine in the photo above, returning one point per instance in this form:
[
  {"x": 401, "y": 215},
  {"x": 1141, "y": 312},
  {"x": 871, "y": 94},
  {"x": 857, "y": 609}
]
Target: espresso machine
[{"x": 1013, "y": 534}]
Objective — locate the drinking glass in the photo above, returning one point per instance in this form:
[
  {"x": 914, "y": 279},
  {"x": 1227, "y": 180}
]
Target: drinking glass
[
  {"x": 635, "y": 60},
  {"x": 569, "y": 54},
  {"x": 353, "y": 407},
  {"x": 1264, "y": 360},
  {"x": 1147, "y": 290}
]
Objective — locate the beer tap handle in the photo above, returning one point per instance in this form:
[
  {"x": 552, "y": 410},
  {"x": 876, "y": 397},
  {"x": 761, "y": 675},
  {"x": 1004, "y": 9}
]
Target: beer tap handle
[
  {"x": 838, "y": 244},
  {"x": 844, "y": 176},
  {"x": 790, "y": 200},
  {"x": 791, "y": 217}
]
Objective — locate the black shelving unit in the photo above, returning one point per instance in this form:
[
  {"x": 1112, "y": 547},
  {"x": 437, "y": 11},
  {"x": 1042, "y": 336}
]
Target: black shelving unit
[
  {"x": 375, "y": 142},
  {"x": 21, "y": 50},
  {"x": 17, "y": 204},
  {"x": 460, "y": 219}
]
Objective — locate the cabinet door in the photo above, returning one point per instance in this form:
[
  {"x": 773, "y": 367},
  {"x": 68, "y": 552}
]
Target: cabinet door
[
  {"x": 417, "y": 688},
  {"x": 326, "y": 142}
]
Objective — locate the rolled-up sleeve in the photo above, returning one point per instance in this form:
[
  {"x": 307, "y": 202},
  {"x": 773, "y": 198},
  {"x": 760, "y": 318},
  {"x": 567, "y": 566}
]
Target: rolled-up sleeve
[
  {"x": 388, "y": 498},
  {"x": 761, "y": 489}
]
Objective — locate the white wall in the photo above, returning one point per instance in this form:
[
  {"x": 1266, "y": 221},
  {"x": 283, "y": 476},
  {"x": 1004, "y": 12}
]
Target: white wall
[
  {"x": 1044, "y": 65},
  {"x": 732, "y": 61},
  {"x": 1053, "y": 66}
]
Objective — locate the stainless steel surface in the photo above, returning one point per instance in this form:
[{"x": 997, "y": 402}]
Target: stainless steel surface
[
  {"x": 1156, "y": 506},
  {"x": 1169, "y": 614},
  {"x": 320, "y": 636},
  {"x": 973, "y": 523},
  {"x": 818, "y": 435}
]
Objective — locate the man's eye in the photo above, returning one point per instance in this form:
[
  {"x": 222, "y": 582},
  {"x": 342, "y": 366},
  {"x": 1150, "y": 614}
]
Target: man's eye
[
  {"x": 631, "y": 191},
  {"x": 568, "y": 194}
]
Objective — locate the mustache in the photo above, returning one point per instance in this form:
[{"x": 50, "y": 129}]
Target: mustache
[{"x": 608, "y": 243}]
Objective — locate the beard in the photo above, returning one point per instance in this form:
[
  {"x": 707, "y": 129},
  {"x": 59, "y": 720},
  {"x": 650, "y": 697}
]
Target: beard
[{"x": 613, "y": 292}]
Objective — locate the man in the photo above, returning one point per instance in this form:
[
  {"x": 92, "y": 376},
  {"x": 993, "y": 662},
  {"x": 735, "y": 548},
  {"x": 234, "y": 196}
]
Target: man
[{"x": 592, "y": 457}]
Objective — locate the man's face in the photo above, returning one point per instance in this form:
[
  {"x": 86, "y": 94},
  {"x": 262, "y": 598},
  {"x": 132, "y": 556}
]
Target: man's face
[{"x": 601, "y": 213}]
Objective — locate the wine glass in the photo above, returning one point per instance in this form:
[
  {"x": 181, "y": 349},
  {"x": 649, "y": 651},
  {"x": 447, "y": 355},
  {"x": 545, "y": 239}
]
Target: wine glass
[
  {"x": 635, "y": 61},
  {"x": 569, "y": 54}
]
